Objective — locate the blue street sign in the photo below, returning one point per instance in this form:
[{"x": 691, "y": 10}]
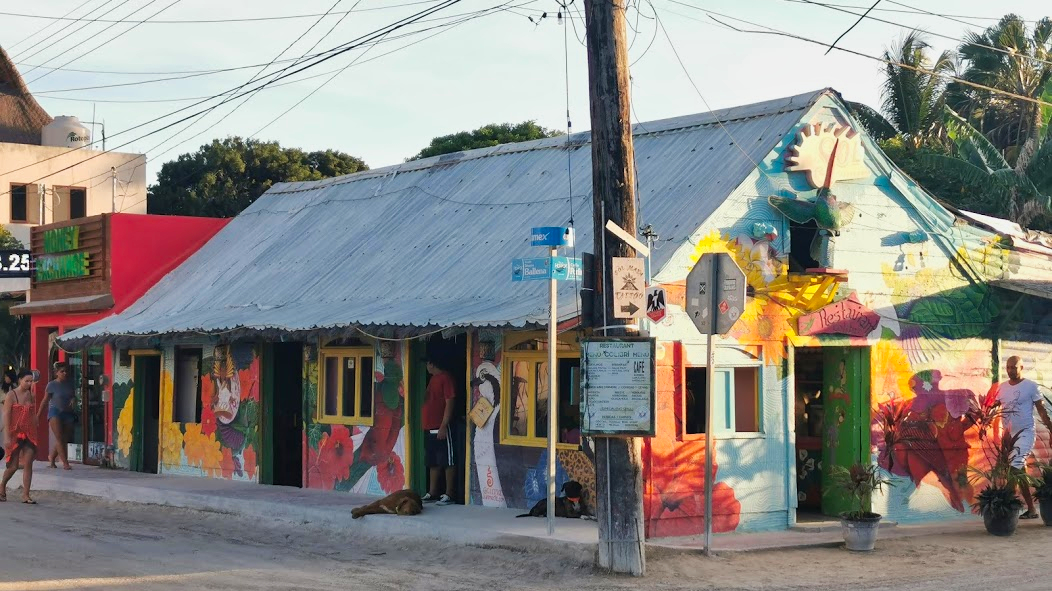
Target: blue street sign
[
  {"x": 559, "y": 268},
  {"x": 531, "y": 269},
  {"x": 551, "y": 236},
  {"x": 566, "y": 269}
]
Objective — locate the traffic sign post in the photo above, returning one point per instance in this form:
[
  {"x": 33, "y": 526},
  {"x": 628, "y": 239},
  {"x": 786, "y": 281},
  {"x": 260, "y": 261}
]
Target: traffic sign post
[
  {"x": 553, "y": 268},
  {"x": 715, "y": 301}
]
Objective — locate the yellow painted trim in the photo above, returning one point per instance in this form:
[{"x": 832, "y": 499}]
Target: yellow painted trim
[
  {"x": 144, "y": 352},
  {"x": 344, "y": 353}
]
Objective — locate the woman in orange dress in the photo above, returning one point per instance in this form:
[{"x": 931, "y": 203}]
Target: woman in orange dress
[{"x": 21, "y": 417}]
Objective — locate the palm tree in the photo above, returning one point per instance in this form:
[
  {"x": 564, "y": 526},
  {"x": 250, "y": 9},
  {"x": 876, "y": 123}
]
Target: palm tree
[
  {"x": 913, "y": 99},
  {"x": 1009, "y": 58},
  {"x": 1022, "y": 193}
]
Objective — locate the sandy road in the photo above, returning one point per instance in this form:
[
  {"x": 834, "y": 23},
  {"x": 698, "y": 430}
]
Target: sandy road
[{"x": 71, "y": 542}]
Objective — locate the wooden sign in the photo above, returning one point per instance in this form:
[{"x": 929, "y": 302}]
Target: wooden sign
[{"x": 848, "y": 317}]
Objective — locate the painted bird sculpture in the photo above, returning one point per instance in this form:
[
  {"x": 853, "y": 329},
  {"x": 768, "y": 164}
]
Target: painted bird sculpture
[{"x": 829, "y": 214}]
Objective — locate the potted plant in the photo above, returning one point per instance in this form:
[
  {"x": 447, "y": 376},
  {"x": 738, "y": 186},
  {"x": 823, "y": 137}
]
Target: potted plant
[
  {"x": 859, "y": 482},
  {"x": 1043, "y": 493},
  {"x": 997, "y": 503}
]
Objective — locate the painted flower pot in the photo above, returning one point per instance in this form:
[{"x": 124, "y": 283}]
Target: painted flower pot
[
  {"x": 860, "y": 535},
  {"x": 1046, "y": 510},
  {"x": 1001, "y": 526}
]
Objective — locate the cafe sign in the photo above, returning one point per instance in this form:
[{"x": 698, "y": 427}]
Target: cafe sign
[
  {"x": 618, "y": 389},
  {"x": 61, "y": 258}
]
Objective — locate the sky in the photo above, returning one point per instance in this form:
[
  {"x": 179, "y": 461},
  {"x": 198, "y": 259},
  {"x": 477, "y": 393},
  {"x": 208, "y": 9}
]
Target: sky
[{"x": 432, "y": 78}]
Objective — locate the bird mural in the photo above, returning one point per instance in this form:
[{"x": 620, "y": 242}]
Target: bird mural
[{"x": 829, "y": 214}]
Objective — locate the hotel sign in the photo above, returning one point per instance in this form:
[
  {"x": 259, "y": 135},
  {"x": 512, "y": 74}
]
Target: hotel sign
[{"x": 61, "y": 258}]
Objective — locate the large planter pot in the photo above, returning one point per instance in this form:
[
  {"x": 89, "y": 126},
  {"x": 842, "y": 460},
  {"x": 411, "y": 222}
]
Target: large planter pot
[
  {"x": 1046, "y": 510},
  {"x": 860, "y": 535},
  {"x": 1001, "y": 526}
]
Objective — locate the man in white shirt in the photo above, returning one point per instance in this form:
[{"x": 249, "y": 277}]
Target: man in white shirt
[{"x": 1019, "y": 397}]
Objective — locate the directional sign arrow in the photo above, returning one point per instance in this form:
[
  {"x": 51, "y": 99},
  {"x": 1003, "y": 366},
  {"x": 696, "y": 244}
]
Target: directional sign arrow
[{"x": 631, "y": 308}]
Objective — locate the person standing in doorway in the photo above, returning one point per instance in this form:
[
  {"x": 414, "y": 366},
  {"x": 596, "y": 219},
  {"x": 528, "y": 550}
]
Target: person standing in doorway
[
  {"x": 60, "y": 415},
  {"x": 21, "y": 417},
  {"x": 436, "y": 416},
  {"x": 1019, "y": 397}
]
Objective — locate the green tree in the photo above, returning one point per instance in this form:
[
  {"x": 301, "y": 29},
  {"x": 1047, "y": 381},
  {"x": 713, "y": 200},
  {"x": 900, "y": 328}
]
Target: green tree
[
  {"x": 224, "y": 177},
  {"x": 8, "y": 240},
  {"x": 1010, "y": 58},
  {"x": 486, "y": 136}
]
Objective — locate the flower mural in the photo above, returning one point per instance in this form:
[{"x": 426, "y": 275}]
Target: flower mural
[{"x": 339, "y": 457}]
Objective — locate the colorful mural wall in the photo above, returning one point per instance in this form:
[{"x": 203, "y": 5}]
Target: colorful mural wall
[
  {"x": 225, "y": 443},
  {"x": 511, "y": 475},
  {"x": 124, "y": 411},
  {"x": 917, "y": 298},
  {"x": 362, "y": 459}
]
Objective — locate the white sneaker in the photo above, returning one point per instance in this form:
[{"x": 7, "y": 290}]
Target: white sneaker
[
  {"x": 427, "y": 498},
  {"x": 444, "y": 500}
]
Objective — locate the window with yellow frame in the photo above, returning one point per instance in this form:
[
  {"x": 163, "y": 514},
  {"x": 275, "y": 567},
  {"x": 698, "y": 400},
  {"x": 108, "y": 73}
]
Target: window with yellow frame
[
  {"x": 525, "y": 389},
  {"x": 345, "y": 385}
]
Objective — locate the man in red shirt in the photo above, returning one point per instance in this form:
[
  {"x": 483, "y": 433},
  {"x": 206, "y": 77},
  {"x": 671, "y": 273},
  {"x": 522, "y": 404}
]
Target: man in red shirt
[{"x": 438, "y": 445}]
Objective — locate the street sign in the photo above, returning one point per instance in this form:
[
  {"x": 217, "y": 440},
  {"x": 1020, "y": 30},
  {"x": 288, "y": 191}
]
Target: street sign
[
  {"x": 566, "y": 269},
  {"x": 715, "y": 287},
  {"x": 559, "y": 268},
  {"x": 629, "y": 287},
  {"x": 551, "y": 236},
  {"x": 656, "y": 304},
  {"x": 618, "y": 390}
]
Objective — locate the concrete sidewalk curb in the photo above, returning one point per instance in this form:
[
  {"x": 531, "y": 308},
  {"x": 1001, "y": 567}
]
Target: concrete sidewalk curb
[{"x": 375, "y": 526}]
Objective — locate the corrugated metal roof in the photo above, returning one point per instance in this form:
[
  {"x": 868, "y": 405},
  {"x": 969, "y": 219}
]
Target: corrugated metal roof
[
  {"x": 1041, "y": 289},
  {"x": 429, "y": 243}
]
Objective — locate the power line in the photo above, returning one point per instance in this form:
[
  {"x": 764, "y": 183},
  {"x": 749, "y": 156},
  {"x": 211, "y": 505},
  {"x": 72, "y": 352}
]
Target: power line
[
  {"x": 209, "y": 21},
  {"x": 773, "y": 31},
  {"x": 955, "y": 39},
  {"x": 108, "y": 41},
  {"x": 339, "y": 50},
  {"x": 46, "y": 27},
  {"x": 860, "y": 19},
  {"x": 22, "y": 54}
]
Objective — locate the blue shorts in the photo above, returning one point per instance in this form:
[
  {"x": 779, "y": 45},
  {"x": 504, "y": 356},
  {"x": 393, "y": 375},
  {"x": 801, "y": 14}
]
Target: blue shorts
[{"x": 66, "y": 416}]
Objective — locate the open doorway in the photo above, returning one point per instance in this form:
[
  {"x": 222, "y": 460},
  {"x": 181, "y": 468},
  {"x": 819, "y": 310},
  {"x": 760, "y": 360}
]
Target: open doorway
[
  {"x": 283, "y": 410},
  {"x": 449, "y": 355},
  {"x": 146, "y": 400},
  {"x": 832, "y": 424}
]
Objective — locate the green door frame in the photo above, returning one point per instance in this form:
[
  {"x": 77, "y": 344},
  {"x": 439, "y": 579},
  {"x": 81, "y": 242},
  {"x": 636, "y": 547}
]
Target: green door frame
[
  {"x": 417, "y": 383},
  {"x": 135, "y": 458},
  {"x": 266, "y": 457},
  {"x": 846, "y": 435}
]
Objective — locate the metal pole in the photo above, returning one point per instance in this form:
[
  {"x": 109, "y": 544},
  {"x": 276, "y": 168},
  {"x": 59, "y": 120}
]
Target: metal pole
[
  {"x": 602, "y": 261},
  {"x": 553, "y": 393},
  {"x": 710, "y": 382},
  {"x": 113, "y": 192}
]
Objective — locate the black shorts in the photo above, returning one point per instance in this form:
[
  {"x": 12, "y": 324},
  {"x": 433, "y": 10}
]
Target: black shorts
[{"x": 438, "y": 453}]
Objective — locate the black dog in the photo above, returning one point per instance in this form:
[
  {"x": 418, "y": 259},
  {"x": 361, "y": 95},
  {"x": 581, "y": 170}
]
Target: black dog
[{"x": 567, "y": 506}]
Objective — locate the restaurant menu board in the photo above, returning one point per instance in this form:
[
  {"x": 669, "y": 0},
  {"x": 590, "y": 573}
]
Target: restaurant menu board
[{"x": 618, "y": 390}]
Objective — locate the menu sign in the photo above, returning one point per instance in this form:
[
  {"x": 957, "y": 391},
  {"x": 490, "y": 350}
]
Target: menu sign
[{"x": 618, "y": 390}]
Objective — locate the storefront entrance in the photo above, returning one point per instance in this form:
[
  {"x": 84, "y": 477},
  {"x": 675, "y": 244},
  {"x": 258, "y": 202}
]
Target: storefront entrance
[
  {"x": 452, "y": 354},
  {"x": 88, "y": 444},
  {"x": 832, "y": 424},
  {"x": 146, "y": 400},
  {"x": 282, "y": 461}
]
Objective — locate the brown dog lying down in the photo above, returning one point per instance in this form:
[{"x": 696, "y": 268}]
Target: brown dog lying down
[{"x": 403, "y": 502}]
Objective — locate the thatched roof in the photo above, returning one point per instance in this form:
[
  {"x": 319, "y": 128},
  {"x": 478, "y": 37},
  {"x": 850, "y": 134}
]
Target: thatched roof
[{"x": 21, "y": 116}]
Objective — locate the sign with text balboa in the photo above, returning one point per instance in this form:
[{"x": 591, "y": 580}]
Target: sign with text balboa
[
  {"x": 58, "y": 262},
  {"x": 618, "y": 391}
]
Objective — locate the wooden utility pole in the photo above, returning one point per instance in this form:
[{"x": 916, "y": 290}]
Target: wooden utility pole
[{"x": 619, "y": 482}]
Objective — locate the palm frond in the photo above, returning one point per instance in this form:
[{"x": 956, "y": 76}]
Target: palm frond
[
  {"x": 874, "y": 123},
  {"x": 979, "y": 150}
]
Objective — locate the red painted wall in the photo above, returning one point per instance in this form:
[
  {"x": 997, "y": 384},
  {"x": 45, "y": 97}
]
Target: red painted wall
[{"x": 143, "y": 249}]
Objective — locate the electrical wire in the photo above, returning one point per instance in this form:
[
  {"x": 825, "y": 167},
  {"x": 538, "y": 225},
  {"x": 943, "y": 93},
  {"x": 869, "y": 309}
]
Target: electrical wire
[
  {"x": 22, "y": 55},
  {"x": 334, "y": 52},
  {"x": 206, "y": 21},
  {"x": 106, "y": 42},
  {"x": 46, "y": 27},
  {"x": 860, "y": 19},
  {"x": 772, "y": 31}
]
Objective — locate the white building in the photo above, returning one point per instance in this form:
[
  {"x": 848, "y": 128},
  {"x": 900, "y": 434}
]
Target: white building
[{"x": 50, "y": 172}]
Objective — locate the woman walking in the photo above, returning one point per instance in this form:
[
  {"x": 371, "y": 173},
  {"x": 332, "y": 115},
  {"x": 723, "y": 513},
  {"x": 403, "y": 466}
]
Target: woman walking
[
  {"x": 60, "y": 415},
  {"x": 21, "y": 417}
]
